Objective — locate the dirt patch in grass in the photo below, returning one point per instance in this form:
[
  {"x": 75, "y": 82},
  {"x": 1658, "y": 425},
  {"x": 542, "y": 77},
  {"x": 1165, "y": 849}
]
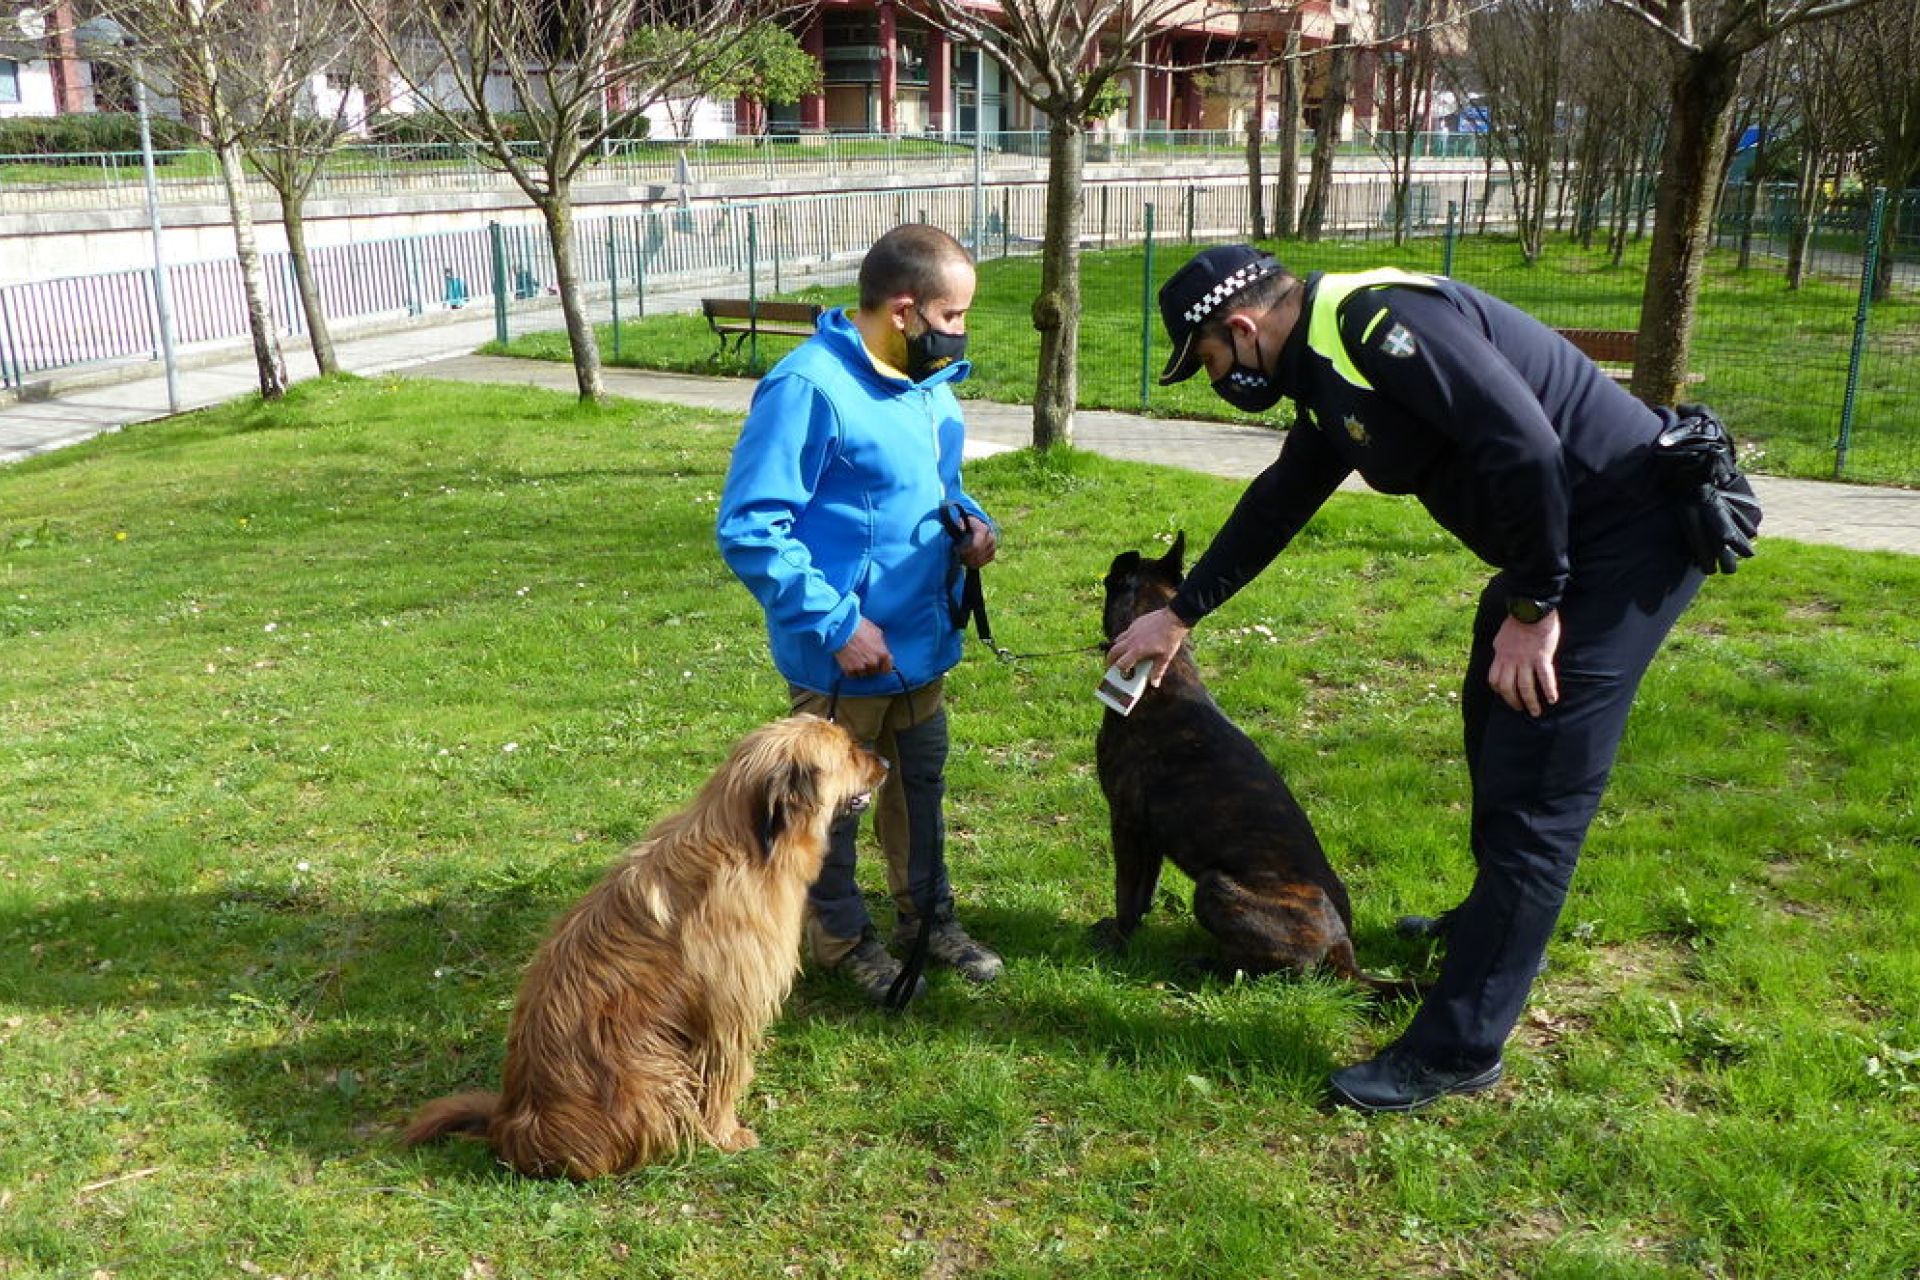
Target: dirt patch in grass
[
  {"x": 1778, "y": 876},
  {"x": 1566, "y": 997}
]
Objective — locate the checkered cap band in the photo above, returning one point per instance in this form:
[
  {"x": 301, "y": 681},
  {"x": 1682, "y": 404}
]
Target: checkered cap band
[{"x": 1210, "y": 301}]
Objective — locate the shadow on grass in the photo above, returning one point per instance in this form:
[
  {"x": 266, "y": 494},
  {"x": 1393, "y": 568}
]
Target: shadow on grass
[
  {"x": 328, "y": 1027},
  {"x": 1063, "y": 997}
]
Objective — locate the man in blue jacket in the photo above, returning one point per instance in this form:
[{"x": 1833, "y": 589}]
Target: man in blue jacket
[
  {"x": 832, "y": 517},
  {"x": 1519, "y": 446}
]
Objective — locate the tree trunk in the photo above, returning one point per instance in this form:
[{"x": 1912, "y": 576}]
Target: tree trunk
[
  {"x": 1622, "y": 214},
  {"x": 1806, "y": 204},
  {"x": 1326, "y": 135},
  {"x": 1539, "y": 171},
  {"x": 1056, "y": 312},
  {"x": 556, "y": 209},
  {"x": 1287, "y": 198},
  {"x": 267, "y": 360},
  {"x": 1700, "y": 101},
  {"x": 1486, "y": 179},
  {"x": 293, "y": 217},
  {"x": 1402, "y": 181},
  {"x": 1256, "y": 198},
  {"x": 1592, "y": 174}
]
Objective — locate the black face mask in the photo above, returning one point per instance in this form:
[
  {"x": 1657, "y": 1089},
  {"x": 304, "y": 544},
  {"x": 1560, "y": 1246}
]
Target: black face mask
[
  {"x": 930, "y": 351},
  {"x": 1248, "y": 388}
]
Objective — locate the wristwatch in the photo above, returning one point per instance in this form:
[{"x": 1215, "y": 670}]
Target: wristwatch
[{"x": 1528, "y": 609}]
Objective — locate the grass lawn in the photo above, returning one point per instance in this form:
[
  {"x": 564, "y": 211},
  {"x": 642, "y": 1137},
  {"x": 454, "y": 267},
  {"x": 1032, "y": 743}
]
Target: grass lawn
[
  {"x": 1774, "y": 362},
  {"x": 315, "y": 715}
]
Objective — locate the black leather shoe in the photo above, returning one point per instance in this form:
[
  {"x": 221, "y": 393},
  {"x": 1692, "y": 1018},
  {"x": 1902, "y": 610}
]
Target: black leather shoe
[
  {"x": 1398, "y": 1081},
  {"x": 1420, "y": 926}
]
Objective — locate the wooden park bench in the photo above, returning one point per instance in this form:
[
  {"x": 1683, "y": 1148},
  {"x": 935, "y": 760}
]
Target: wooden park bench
[
  {"x": 741, "y": 318},
  {"x": 1611, "y": 349}
]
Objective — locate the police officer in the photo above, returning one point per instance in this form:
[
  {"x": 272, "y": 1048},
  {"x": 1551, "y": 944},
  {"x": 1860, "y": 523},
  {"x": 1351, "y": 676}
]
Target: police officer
[{"x": 1544, "y": 467}]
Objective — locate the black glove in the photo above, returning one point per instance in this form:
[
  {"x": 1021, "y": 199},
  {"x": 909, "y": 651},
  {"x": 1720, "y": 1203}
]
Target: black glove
[
  {"x": 1720, "y": 525},
  {"x": 1721, "y": 515}
]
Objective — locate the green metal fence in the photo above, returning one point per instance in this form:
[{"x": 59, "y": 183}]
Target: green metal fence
[
  {"x": 1818, "y": 379},
  {"x": 1816, "y": 382}
]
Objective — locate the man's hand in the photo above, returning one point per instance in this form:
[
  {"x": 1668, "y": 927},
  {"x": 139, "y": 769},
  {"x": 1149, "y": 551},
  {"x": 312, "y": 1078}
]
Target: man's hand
[
  {"x": 1522, "y": 672},
  {"x": 1154, "y": 637},
  {"x": 980, "y": 545},
  {"x": 867, "y": 653}
]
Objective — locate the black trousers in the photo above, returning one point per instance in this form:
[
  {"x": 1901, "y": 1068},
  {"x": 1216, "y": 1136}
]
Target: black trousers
[{"x": 1537, "y": 782}]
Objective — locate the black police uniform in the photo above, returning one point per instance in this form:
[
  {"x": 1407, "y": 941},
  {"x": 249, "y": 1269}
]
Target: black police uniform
[{"x": 1539, "y": 463}]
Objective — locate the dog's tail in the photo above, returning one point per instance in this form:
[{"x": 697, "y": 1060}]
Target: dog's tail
[
  {"x": 1341, "y": 960},
  {"x": 467, "y": 1114},
  {"x": 1391, "y": 988}
]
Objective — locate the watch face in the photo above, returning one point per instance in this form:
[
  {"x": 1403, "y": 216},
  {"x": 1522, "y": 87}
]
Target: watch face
[{"x": 1525, "y": 610}]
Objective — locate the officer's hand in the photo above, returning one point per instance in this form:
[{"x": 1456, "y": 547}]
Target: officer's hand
[
  {"x": 1522, "y": 671},
  {"x": 867, "y": 653},
  {"x": 980, "y": 546},
  {"x": 1153, "y": 637}
]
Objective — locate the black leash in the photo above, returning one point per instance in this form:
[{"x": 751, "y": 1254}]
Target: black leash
[
  {"x": 972, "y": 605},
  {"x": 900, "y": 993}
]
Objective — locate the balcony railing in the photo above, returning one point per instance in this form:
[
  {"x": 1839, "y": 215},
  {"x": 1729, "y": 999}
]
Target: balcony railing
[{"x": 93, "y": 180}]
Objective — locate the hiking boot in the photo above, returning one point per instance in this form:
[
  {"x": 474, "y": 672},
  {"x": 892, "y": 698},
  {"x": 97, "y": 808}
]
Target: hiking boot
[
  {"x": 949, "y": 945},
  {"x": 1396, "y": 1080},
  {"x": 873, "y": 970}
]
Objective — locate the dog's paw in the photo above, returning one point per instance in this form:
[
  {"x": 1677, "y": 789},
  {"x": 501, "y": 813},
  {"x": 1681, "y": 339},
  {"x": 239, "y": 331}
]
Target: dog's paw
[
  {"x": 740, "y": 1139},
  {"x": 1107, "y": 937}
]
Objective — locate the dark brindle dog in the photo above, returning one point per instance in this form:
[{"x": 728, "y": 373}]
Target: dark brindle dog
[{"x": 1183, "y": 783}]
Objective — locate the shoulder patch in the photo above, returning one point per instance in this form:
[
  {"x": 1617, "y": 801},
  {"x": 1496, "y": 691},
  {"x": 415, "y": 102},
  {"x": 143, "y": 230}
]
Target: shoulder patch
[{"x": 1398, "y": 342}]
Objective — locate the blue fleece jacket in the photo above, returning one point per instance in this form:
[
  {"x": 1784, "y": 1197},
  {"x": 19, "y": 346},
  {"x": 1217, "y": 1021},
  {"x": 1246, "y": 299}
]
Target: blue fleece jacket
[{"x": 831, "y": 511}]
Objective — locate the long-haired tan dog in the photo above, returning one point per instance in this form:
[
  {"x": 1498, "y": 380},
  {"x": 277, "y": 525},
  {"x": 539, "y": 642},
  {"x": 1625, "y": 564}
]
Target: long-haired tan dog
[{"x": 635, "y": 1029}]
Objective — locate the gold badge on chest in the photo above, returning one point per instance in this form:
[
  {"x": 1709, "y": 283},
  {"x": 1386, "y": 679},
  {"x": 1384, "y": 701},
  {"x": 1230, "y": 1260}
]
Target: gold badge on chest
[{"x": 1356, "y": 429}]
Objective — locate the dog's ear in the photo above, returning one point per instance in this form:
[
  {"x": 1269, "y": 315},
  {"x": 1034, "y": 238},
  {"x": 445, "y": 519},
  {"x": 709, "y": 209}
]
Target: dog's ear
[
  {"x": 1124, "y": 566},
  {"x": 1172, "y": 565},
  {"x": 793, "y": 794}
]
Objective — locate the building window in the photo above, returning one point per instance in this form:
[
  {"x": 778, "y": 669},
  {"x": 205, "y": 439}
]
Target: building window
[
  {"x": 9, "y": 80},
  {"x": 911, "y": 43},
  {"x": 850, "y": 48}
]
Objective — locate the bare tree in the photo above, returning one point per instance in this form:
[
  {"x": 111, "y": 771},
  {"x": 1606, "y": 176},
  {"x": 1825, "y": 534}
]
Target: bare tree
[
  {"x": 1060, "y": 55},
  {"x": 1277, "y": 56},
  {"x": 1709, "y": 40},
  {"x": 1256, "y": 129},
  {"x": 1519, "y": 53},
  {"x": 1765, "y": 108},
  {"x": 1883, "y": 40},
  {"x": 1816, "y": 68},
  {"x": 303, "y": 49},
  {"x": 1326, "y": 133},
  {"x": 192, "y": 49},
  {"x": 1286, "y": 198},
  {"x": 1618, "y": 118},
  {"x": 581, "y": 71},
  {"x": 1409, "y": 98}
]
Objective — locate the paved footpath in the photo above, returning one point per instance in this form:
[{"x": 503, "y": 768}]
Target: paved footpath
[{"x": 1843, "y": 515}]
